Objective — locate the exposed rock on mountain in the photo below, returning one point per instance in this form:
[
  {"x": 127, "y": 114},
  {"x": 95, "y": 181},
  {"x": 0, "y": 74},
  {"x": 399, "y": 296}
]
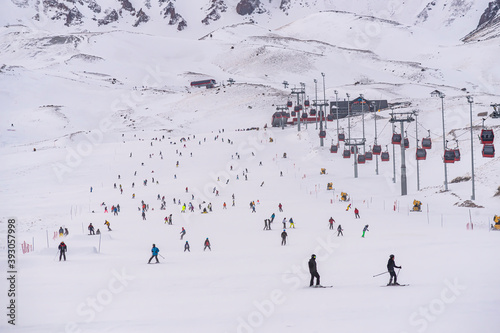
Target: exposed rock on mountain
[
  {"x": 216, "y": 7},
  {"x": 247, "y": 7}
]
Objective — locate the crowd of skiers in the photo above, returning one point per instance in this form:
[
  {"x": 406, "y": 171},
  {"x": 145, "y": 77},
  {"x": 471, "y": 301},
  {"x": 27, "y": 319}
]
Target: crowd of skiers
[{"x": 191, "y": 204}]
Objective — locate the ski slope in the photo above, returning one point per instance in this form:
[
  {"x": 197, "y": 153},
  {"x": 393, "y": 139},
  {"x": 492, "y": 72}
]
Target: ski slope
[{"x": 96, "y": 105}]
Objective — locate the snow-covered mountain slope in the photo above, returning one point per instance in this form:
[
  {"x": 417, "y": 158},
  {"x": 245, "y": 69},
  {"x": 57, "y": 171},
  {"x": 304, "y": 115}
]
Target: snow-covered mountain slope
[{"x": 86, "y": 103}]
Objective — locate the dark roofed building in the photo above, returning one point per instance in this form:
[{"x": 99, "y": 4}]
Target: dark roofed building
[{"x": 357, "y": 106}]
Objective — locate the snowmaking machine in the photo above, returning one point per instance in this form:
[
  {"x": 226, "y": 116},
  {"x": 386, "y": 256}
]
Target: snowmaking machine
[
  {"x": 496, "y": 226},
  {"x": 344, "y": 196},
  {"x": 417, "y": 206}
]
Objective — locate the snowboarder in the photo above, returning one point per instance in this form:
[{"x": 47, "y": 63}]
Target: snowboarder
[
  {"x": 183, "y": 232},
  {"x": 207, "y": 244},
  {"x": 62, "y": 251},
  {"x": 186, "y": 247},
  {"x": 356, "y": 213},
  {"x": 61, "y": 231},
  {"x": 313, "y": 270},
  {"x": 390, "y": 267},
  {"x": 66, "y": 232},
  {"x": 339, "y": 231},
  {"x": 292, "y": 225},
  {"x": 106, "y": 223},
  {"x": 154, "y": 252},
  {"x": 365, "y": 229},
  {"x": 283, "y": 237},
  {"x": 91, "y": 229},
  {"x": 331, "y": 220}
]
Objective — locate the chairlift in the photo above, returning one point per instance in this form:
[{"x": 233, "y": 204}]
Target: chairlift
[
  {"x": 334, "y": 148},
  {"x": 488, "y": 150},
  {"x": 329, "y": 117},
  {"x": 312, "y": 112},
  {"x": 294, "y": 113},
  {"x": 322, "y": 134},
  {"x": 278, "y": 115},
  {"x": 361, "y": 159},
  {"x": 377, "y": 149},
  {"x": 396, "y": 139},
  {"x": 427, "y": 142},
  {"x": 341, "y": 137},
  {"x": 354, "y": 149},
  {"x": 346, "y": 153},
  {"x": 421, "y": 154},
  {"x": 304, "y": 115},
  {"x": 297, "y": 108},
  {"x": 369, "y": 156},
  {"x": 306, "y": 103},
  {"x": 289, "y": 104}
]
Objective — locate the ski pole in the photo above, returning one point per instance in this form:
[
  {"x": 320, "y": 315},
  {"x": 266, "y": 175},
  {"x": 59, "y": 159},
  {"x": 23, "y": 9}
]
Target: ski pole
[
  {"x": 161, "y": 256},
  {"x": 380, "y": 274},
  {"x": 56, "y": 255},
  {"x": 398, "y": 272}
]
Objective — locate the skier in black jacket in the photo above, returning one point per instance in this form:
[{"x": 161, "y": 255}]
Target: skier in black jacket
[
  {"x": 390, "y": 267},
  {"x": 313, "y": 270}
]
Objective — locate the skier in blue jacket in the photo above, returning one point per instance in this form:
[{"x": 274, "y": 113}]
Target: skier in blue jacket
[{"x": 154, "y": 252}]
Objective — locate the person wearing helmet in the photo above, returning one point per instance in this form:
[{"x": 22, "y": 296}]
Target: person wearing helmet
[
  {"x": 390, "y": 267},
  {"x": 313, "y": 270},
  {"x": 154, "y": 252}
]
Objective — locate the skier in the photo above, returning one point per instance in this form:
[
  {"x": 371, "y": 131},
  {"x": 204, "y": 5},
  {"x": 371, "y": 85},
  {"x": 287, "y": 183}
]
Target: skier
[
  {"x": 266, "y": 225},
  {"x": 183, "y": 232},
  {"x": 339, "y": 231},
  {"x": 62, "y": 251},
  {"x": 292, "y": 225},
  {"x": 91, "y": 229},
  {"x": 390, "y": 267},
  {"x": 106, "y": 223},
  {"x": 61, "y": 231},
  {"x": 272, "y": 217},
  {"x": 224, "y": 206},
  {"x": 186, "y": 247},
  {"x": 313, "y": 270},
  {"x": 284, "y": 223},
  {"x": 283, "y": 237},
  {"x": 365, "y": 229},
  {"x": 280, "y": 207},
  {"x": 143, "y": 215},
  {"x": 331, "y": 220},
  {"x": 154, "y": 252},
  {"x": 66, "y": 232},
  {"x": 356, "y": 213},
  {"x": 207, "y": 244}
]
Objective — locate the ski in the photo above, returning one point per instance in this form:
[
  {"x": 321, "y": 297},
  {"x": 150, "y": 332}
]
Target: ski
[
  {"x": 396, "y": 285},
  {"x": 320, "y": 286}
]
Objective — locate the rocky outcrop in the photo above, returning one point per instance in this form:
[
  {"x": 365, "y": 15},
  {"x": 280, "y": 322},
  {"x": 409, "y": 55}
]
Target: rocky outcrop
[
  {"x": 285, "y": 5},
  {"x": 109, "y": 18},
  {"x": 214, "y": 11},
  {"x": 490, "y": 13},
  {"x": 173, "y": 17},
  {"x": 488, "y": 26},
  {"x": 142, "y": 17},
  {"x": 247, "y": 7}
]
